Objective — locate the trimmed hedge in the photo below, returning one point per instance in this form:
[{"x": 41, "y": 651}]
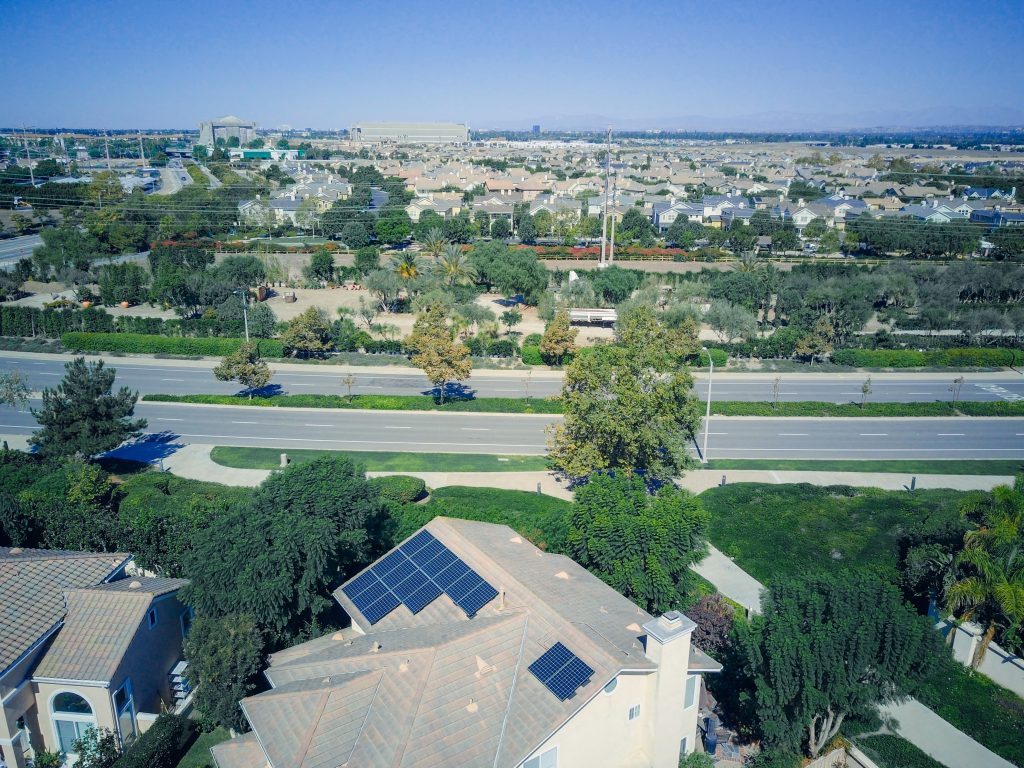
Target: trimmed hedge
[
  {"x": 30, "y": 322},
  {"x": 531, "y": 355},
  {"x": 137, "y": 343},
  {"x": 402, "y": 489},
  {"x": 961, "y": 357},
  {"x": 159, "y": 747},
  {"x": 373, "y": 402}
]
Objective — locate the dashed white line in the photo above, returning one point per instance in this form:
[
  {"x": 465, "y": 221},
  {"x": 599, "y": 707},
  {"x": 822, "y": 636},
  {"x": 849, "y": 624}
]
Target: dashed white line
[
  {"x": 244, "y": 422},
  {"x": 43, "y": 373},
  {"x": 168, "y": 419},
  {"x": 951, "y": 434},
  {"x": 318, "y": 425},
  {"x": 397, "y": 427},
  {"x": 793, "y": 434},
  {"x": 475, "y": 429},
  {"x": 874, "y": 434},
  {"x": 171, "y": 379},
  {"x": 918, "y": 393},
  {"x": 369, "y": 386}
]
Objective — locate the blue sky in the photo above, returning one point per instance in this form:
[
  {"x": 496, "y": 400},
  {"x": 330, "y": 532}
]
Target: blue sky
[{"x": 733, "y": 65}]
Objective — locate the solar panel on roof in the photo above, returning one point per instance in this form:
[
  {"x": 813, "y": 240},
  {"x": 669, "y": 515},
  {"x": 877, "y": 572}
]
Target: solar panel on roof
[
  {"x": 428, "y": 551},
  {"x": 359, "y": 583},
  {"x": 380, "y": 608},
  {"x": 417, "y": 542},
  {"x": 480, "y": 596},
  {"x": 423, "y": 597},
  {"x": 401, "y": 571},
  {"x": 436, "y": 565},
  {"x": 451, "y": 574},
  {"x": 390, "y": 561},
  {"x": 561, "y": 671},
  {"x": 405, "y": 588},
  {"x": 464, "y": 585}
]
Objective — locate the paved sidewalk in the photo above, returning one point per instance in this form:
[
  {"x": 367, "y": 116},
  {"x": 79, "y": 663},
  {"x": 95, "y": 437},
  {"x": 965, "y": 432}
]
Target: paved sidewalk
[
  {"x": 731, "y": 580},
  {"x": 933, "y": 735},
  {"x": 702, "y": 479}
]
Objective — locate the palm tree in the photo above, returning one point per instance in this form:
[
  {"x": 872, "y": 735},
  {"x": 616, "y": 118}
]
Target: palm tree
[
  {"x": 748, "y": 263},
  {"x": 434, "y": 243},
  {"x": 405, "y": 265},
  {"x": 453, "y": 267},
  {"x": 989, "y": 587}
]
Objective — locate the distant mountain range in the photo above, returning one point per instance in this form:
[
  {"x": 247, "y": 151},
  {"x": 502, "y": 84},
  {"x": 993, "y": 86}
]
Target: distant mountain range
[{"x": 783, "y": 121}]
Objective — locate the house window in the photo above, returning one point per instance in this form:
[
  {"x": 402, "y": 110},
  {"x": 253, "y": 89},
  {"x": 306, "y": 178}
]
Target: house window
[
  {"x": 612, "y": 685},
  {"x": 634, "y": 712},
  {"x": 547, "y": 759},
  {"x": 151, "y": 617},
  {"x": 684, "y": 746},
  {"x": 124, "y": 708},
  {"x": 691, "y": 691},
  {"x": 72, "y": 717}
]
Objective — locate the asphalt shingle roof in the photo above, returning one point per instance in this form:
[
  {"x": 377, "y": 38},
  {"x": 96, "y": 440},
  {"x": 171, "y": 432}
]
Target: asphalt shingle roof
[{"x": 32, "y": 586}]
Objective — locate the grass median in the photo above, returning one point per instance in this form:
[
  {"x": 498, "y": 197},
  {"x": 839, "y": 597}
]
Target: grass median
[
  {"x": 381, "y": 461},
  {"x": 554, "y": 406}
]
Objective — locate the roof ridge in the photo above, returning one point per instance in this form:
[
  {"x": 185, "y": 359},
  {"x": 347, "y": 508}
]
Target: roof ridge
[
  {"x": 511, "y": 692},
  {"x": 419, "y": 703},
  {"x": 325, "y": 696},
  {"x": 366, "y": 715}
]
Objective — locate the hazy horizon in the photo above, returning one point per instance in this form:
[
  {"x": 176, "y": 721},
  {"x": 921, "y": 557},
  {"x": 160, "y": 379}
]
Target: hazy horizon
[{"x": 743, "y": 67}]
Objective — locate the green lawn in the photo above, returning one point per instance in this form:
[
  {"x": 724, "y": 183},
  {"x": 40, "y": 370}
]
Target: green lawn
[
  {"x": 198, "y": 755},
  {"x": 922, "y": 467},
  {"x": 772, "y": 529},
  {"x": 890, "y": 751},
  {"x": 991, "y": 714},
  {"x": 541, "y": 519},
  {"x": 382, "y": 461}
]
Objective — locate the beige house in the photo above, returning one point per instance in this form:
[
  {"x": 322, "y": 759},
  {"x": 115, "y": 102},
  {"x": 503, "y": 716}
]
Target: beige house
[
  {"x": 83, "y": 644},
  {"x": 469, "y": 646}
]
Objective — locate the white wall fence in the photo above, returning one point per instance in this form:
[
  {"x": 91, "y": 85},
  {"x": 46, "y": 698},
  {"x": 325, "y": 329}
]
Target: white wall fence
[{"x": 998, "y": 665}]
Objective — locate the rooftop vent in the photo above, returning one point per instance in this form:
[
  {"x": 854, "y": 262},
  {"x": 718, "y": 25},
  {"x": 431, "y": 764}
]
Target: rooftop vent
[{"x": 135, "y": 585}]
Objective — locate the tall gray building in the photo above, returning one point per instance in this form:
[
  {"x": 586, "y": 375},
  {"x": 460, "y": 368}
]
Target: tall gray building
[
  {"x": 410, "y": 133},
  {"x": 224, "y": 128}
]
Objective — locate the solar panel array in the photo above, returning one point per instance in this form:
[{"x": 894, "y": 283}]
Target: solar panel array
[
  {"x": 562, "y": 671},
  {"x": 415, "y": 575}
]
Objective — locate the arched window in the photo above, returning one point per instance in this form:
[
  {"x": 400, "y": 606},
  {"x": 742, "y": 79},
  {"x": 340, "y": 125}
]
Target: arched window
[{"x": 72, "y": 717}]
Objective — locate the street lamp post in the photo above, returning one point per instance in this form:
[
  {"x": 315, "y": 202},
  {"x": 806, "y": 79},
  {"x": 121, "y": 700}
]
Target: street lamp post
[
  {"x": 707, "y": 414},
  {"x": 245, "y": 311}
]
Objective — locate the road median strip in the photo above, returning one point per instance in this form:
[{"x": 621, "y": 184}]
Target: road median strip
[{"x": 553, "y": 406}]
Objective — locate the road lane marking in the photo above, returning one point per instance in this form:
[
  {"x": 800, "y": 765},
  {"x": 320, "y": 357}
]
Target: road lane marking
[
  {"x": 318, "y": 425},
  {"x": 368, "y": 386},
  {"x": 793, "y": 434},
  {"x": 918, "y": 393},
  {"x": 168, "y": 419},
  {"x": 302, "y": 384},
  {"x": 874, "y": 434},
  {"x": 951, "y": 434},
  {"x": 245, "y": 422},
  {"x": 360, "y": 442},
  {"x": 171, "y": 379},
  {"x": 397, "y": 427},
  {"x": 475, "y": 429},
  {"x": 44, "y": 373}
]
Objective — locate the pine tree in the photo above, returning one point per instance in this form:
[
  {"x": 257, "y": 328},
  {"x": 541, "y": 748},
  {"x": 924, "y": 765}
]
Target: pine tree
[
  {"x": 82, "y": 417},
  {"x": 246, "y": 367}
]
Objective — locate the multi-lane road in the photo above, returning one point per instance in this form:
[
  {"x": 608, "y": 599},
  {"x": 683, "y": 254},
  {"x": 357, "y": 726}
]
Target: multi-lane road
[
  {"x": 182, "y": 377},
  {"x": 849, "y": 438},
  {"x": 17, "y": 248}
]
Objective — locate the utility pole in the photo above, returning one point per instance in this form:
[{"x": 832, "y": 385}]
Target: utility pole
[
  {"x": 106, "y": 148},
  {"x": 604, "y": 216},
  {"x": 28, "y": 157},
  {"x": 611, "y": 242},
  {"x": 142, "y": 151}
]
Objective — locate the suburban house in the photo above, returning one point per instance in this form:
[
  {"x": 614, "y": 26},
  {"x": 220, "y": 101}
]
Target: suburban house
[
  {"x": 664, "y": 213},
  {"x": 84, "y": 643},
  {"x": 469, "y": 646}
]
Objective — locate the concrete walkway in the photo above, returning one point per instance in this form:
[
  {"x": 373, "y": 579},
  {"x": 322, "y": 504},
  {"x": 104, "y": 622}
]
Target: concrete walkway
[
  {"x": 731, "y": 580},
  {"x": 931, "y": 734}
]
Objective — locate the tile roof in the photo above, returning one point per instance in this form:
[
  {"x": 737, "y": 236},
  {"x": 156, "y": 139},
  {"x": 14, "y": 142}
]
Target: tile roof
[
  {"x": 100, "y": 625},
  {"x": 243, "y": 752},
  {"x": 32, "y": 586},
  {"x": 438, "y": 689}
]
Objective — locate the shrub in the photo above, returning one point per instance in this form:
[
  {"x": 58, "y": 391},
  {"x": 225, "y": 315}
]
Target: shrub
[
  {"x": 719, "y": 356},
  {"x": 533, "y": 339},
  {"x": 159, "y": 747},
  {"x": 502, "y": 348},
  {"x": 531, "y": 354},
  {"x": 963, "y": 357},
  {"x": 137, "y": 343},
  {"x": 403, "y": 489}
]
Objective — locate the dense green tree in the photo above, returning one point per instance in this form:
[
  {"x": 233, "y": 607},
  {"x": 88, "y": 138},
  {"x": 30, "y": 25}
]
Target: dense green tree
[
  {"x": 434, "y": 350},
  {"x": 308, "y": 335},
  {"x": 246, "y": 367},
  {"x": 615, "y": 284},
  {"x": 262, "y": 321},
  {"x": 242, "y": 272},
  {"x": 640, "y": 544},
  {"x": 96, "y": 748},
  {"x": 65, "y": 246},
  {"x": 123, "y": 282},
  {"x": 393, "y": 226},
  {"x": 830, "y": 646},
  {"x": 511, "y": 271},
  {"x": 321, "y": 266},
  {"x": 526, "y": 230},
  {"x": 453, "y": 266},
  {"x": 510, "y": 318},
  {"x": 622, "y": 413},
  {"x": 367, "y": 260},
  {"x": 661, "y": 345},
  {"x": 308, "y": 528},
  {"x": 385, "y": 286},
  {"x": 731, "y": 321},
  {"x": 635, "y": 225},
  {"x": 82, "y": 417},
  {"x": 225, "y": 654},
  {"x": 14, "y": 389},
  {"x": 354, "y": 235},
  {"x": 501, "y": 229}
]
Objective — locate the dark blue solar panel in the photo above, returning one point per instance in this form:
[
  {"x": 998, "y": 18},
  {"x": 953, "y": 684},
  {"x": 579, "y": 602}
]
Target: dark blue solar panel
[
  {"x": 480, "y": 596},
  {"x": 369, "y": 595},
  {"x": 398, "y": 574},
  {"x": 428, "y": 551},
  {"x": 463, "y": 586},
  {"x": 561, "y": 671},
  {"x": 451, "y": 574},
  {"x": 434, "y": 566},
  {"x": 359, "y": 583},
  {"x": 404, "y": 589},
  {"x": 380, "y": 608},
  {"x": 417, "y": 542},
  {"x": 392, "y": 560},
  {"x": 422, "y": 597}
]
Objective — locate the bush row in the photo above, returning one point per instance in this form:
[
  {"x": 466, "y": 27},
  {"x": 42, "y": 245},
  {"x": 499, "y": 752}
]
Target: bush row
[
  {"x": 159, "y": 747},
  {"x": 373, "y": 402},
  {"x": 52, "y": 323},
  {"x": 137, "y": 343},
  {"x": 401, "y": 489},
  {"x": 963, "y": 357}
]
